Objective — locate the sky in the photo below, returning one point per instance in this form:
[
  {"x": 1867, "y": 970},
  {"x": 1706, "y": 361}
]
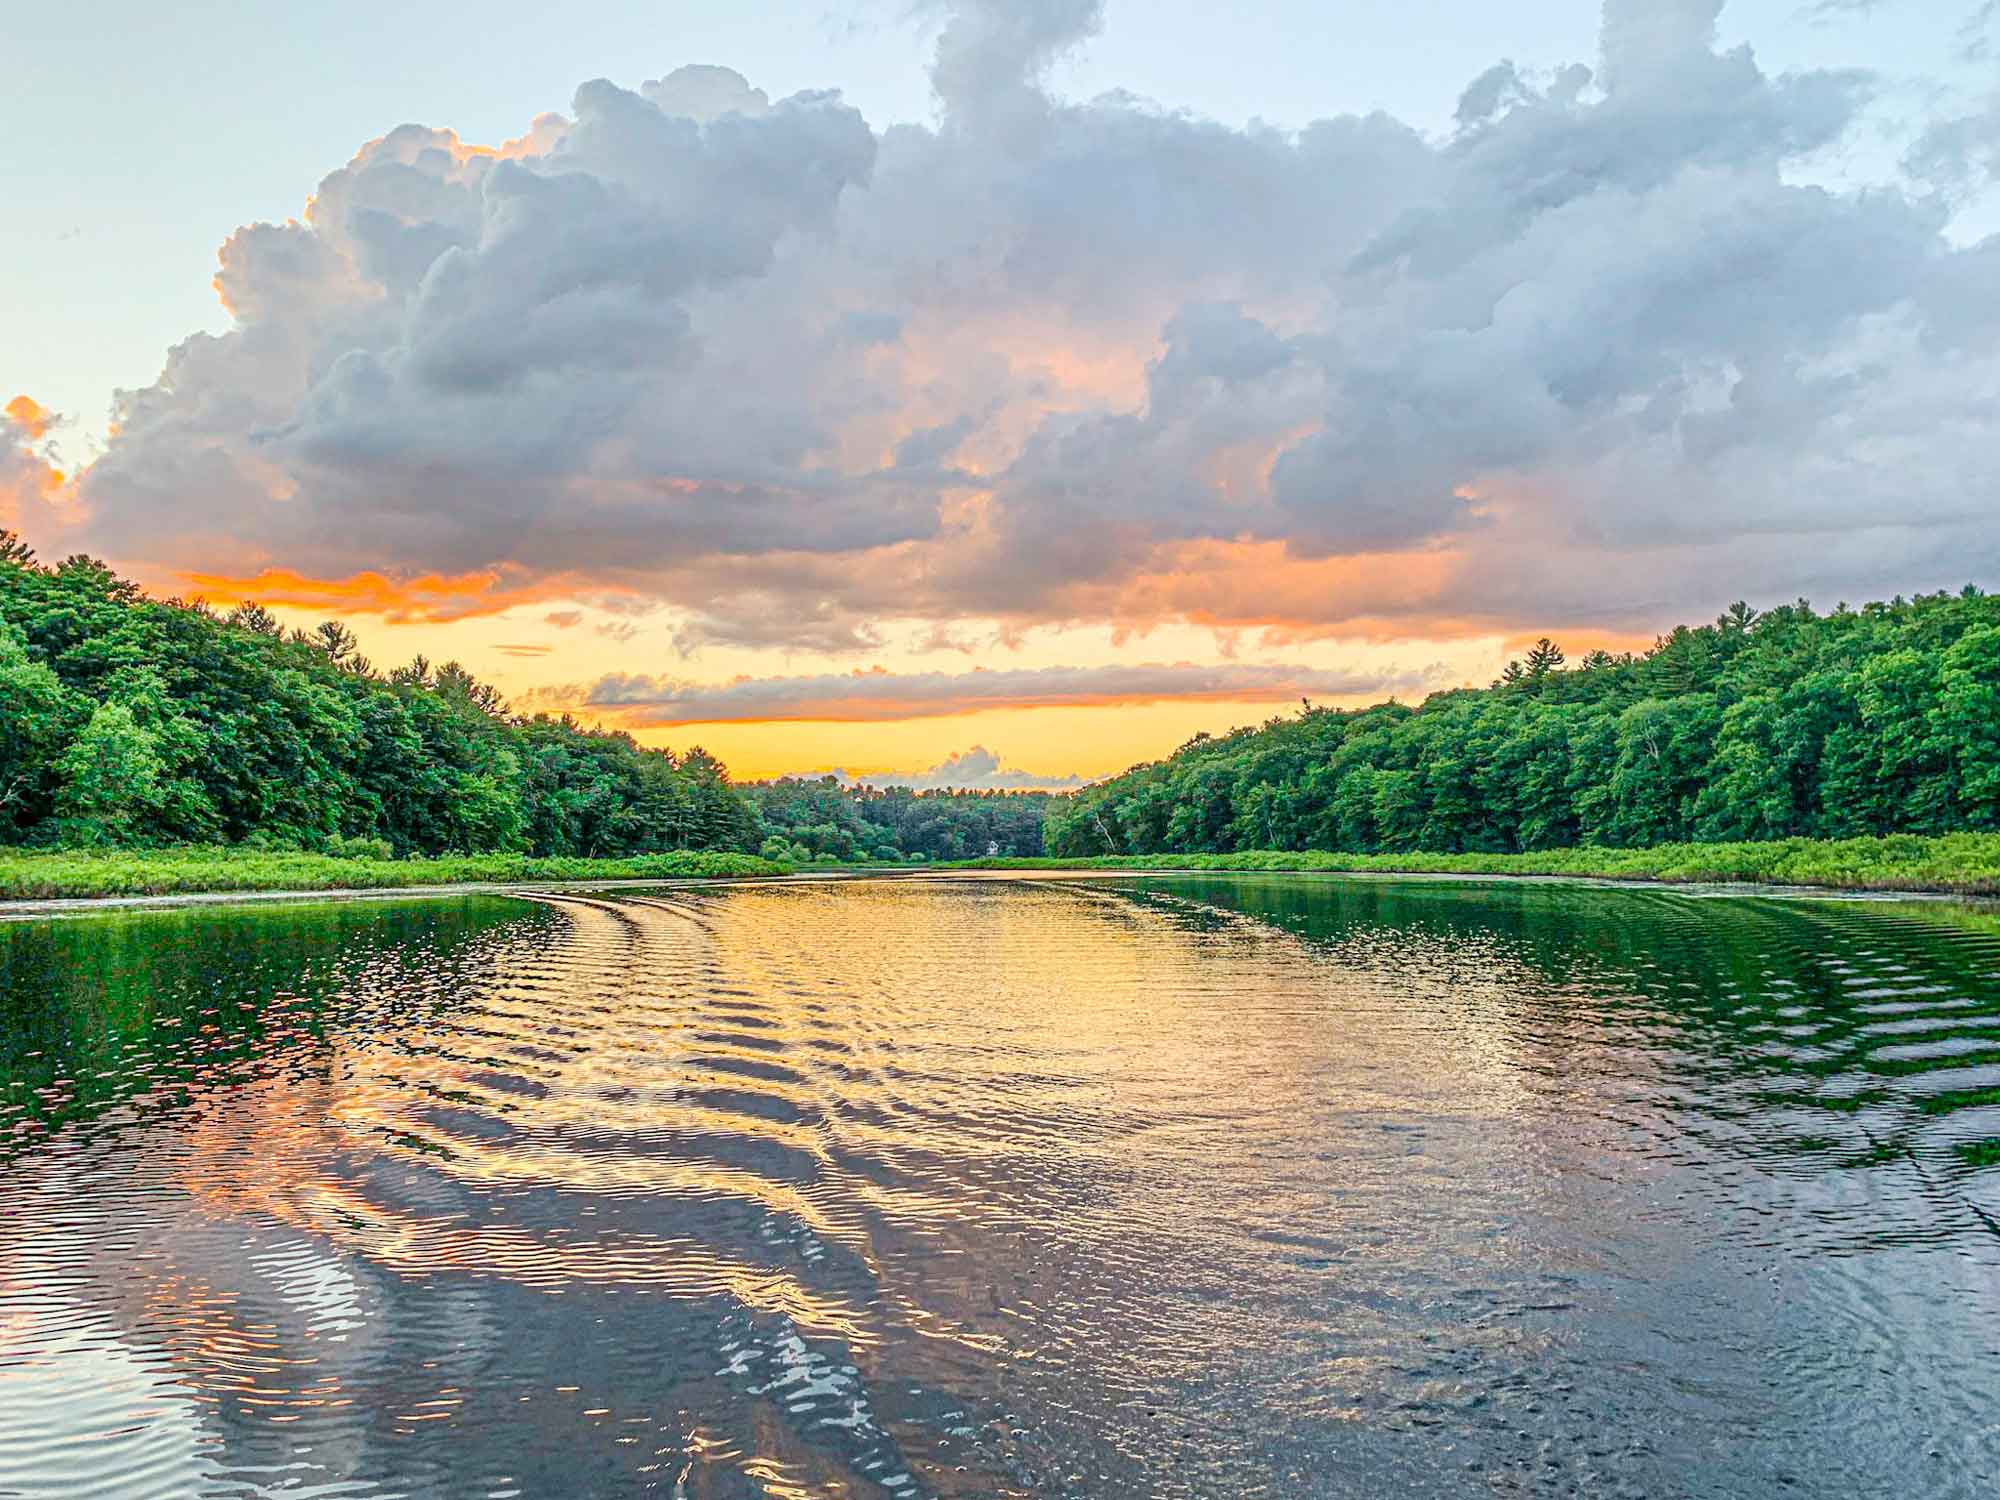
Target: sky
[{"x": 1001, "y": 390}]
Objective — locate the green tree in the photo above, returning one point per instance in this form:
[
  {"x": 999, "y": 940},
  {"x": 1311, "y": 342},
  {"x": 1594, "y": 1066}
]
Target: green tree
[
  {"x": 1967, "y": 722},
  {"x": 1544, "y": 657},
  {"x": 36, "y": 720},
  {"x": 1916, "y": 766},
  {"x": 109, "y": 780}
]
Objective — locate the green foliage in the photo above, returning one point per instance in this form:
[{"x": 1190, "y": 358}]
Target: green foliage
[
  {"x": 110, "y": 780},
  {"x": 357, "y": 847},
  {"x": 37, "y": 719},
  {"x": 1781, "y": 725},
  {"x": 1965, "y": 863},
  {"x": 821, "y": 819},
  {"x": 126, "y": 720},
  {"x": 72, "y": 873}
]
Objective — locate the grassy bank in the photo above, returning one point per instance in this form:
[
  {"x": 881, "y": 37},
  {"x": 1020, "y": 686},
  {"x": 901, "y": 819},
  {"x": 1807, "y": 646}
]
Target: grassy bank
[
  {"x": 1956, "y": 863},
  {"x": 28, "y": 875}
]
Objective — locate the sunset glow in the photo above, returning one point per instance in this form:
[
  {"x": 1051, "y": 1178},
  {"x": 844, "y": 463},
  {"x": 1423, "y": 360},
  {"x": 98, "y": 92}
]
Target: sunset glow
[
  {"x": 938, "y": 749},
  {"x": 707, "y": 386}
]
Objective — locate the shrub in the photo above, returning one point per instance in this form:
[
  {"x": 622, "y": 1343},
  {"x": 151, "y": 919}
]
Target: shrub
[{"x": 357, "y": 846}]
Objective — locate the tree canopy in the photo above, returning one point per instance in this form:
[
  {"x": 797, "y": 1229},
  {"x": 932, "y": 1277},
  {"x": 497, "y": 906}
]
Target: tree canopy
[
  {"x": 1883, "y": 719},
  {"x": 128, "y": 720},
  {"x": 811, "y": 818}
]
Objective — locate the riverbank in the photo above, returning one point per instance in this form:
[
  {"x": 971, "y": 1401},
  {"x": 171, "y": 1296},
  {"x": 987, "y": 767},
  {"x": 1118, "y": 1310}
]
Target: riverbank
[
  {"x": 49, "y": 875},
  {"x": 1964, "y": 864}
]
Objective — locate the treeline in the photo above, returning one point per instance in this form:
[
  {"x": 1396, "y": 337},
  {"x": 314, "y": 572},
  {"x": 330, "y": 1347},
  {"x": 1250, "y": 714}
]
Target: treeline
[
  {"x": 1884, "y": 719},
  {"x": 807, "y": 819},
  {"x": 130, "y": 721}
]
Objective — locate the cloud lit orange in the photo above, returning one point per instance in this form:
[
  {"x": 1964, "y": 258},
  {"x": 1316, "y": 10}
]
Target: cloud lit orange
[
  {"x": 432, "y": 597},
  {"x": 30, "y": 416}
]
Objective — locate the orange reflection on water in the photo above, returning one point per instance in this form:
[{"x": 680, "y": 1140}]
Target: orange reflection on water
[{"x": 835, "y": 1117}]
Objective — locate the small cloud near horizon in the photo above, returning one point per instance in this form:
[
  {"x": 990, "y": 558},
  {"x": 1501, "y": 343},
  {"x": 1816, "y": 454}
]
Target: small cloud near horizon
[
  {"x": 875, "y": 695},
  {"x": 976, "y": 770}
]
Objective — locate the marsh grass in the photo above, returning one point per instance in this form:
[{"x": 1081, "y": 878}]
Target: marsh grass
[
  {"x": 1955, "y": 863},
  {"x": 29, "y": 875},
  {"x": 1958, "y": 863}
]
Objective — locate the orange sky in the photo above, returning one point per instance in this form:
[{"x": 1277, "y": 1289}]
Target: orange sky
[
  {"x": 532, "y": 660},
  {"x": 1188, "y": 604}
]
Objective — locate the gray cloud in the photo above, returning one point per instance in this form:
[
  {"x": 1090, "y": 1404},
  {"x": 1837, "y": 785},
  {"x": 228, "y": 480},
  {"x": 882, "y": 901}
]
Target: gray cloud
[
  {"x": 991, "y": 53},
  {"x": 878, "y": 694},
  {"x": 1601, "y": 349}
]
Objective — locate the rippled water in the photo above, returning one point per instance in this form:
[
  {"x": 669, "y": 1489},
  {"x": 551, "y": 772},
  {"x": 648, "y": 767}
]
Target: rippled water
[{"x": 1283, "y": 1186}]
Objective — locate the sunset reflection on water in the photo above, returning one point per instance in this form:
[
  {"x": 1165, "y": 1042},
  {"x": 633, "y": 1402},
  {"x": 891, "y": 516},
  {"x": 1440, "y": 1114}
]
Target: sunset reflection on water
[{"x": 986, "y": 1187}]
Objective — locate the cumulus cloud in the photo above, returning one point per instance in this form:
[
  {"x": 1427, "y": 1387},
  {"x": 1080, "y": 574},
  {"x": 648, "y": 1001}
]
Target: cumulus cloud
[
  {"x": 30, "y": 482},
  {"x": 976, "y": 770},
  {"x": 880, "y": 694},
  {"x": 1603, "y": 352}
]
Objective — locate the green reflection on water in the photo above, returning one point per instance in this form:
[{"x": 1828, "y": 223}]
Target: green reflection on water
[
  {"x": 110, "y": 1007},
  {"x": 1880, "y": 1017},
  {"x": 1880, "y": 1020}
]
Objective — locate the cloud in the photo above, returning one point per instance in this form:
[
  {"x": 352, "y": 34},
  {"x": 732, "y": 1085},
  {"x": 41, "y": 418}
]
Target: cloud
[
  {"x": 1605, "y": 351},
  {"x": 878, "y": 694},
  {"x": 426, "y": 598},
  {"x": 29, "y": 420},
  {"x": 992, "y": 53},
  {"x": 31, "y": 485},
  {"x": 975, "y": 770}
]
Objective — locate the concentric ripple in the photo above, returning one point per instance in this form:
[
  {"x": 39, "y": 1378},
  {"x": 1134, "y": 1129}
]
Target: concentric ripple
[{"x": 1003, "y": 1187}]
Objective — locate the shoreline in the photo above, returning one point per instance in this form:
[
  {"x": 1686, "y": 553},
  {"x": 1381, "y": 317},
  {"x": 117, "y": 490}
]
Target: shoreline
[
  {"x": 23, "y": 909},
  {"x": 120, "y": 874},
  {"x": 1964, "y": 866},
  {"x": 1686, "y": 887}
]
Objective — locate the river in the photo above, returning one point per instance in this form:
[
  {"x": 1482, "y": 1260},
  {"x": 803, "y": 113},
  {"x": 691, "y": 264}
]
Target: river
[{"x": 1007, "y": 1186}]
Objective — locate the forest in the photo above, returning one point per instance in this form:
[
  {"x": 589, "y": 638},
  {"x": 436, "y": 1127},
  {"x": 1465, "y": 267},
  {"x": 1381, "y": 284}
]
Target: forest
[
  {"x": 1762, "y": 726},
  {"x": 130, "y": 722},
  {"x": 127, "y": 721},
  {"x": 822, "y": 820}
]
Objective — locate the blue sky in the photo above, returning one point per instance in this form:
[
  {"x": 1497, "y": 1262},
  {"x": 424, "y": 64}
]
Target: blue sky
[{"x": 143, "y": 134}]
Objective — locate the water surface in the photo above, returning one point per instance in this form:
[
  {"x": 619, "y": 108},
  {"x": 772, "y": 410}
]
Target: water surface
[{"x": 1177, "y": 1186}]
